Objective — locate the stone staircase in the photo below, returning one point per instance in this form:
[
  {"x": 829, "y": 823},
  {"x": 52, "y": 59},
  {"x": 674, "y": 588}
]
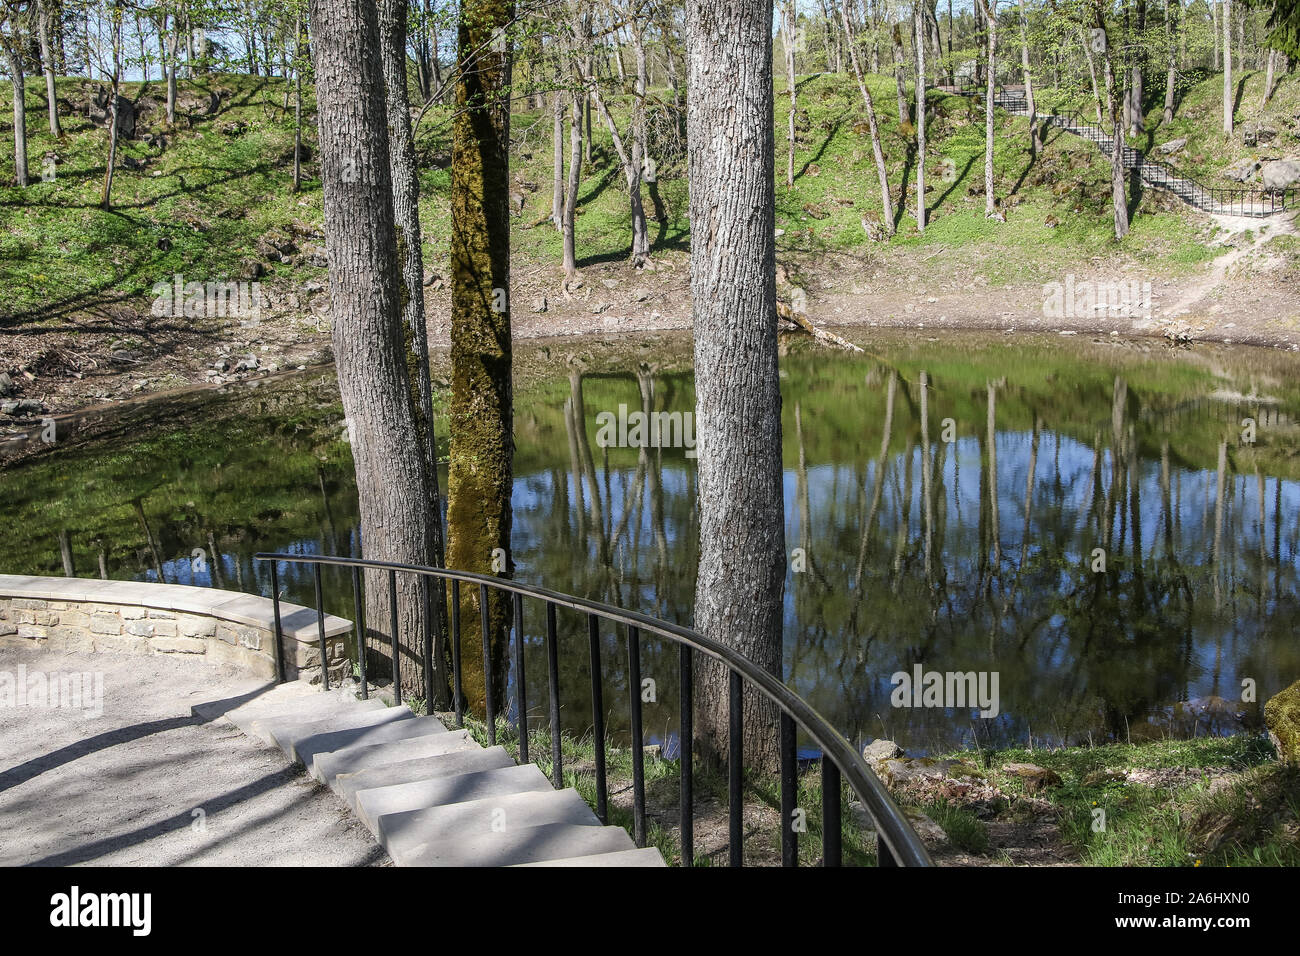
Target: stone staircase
[
  {"x": 431, "y": 796},
  {"x": 1228, "y": 202}
]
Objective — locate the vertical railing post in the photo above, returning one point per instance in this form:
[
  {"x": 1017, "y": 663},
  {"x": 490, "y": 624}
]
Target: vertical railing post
[
  {"x": 553, "y": 685},
  {"x": 278, "y": 643},
  {"x": 489, "y": 704},
  {"x": 789, "y": 792},
  {"x": 735, "y": 769},
  {"x": 429, "y": 622},
  {"x": 638, "y": 746},
  {"x": 832, "y": 851},
  {"x": 685, "y": 752},
  {"x": 392, "y": 624},
  {"x": 458, "y": 690},
  {"x": 320, "y": 630},
  {"x": 521, "y": 690},
  {"x": 361, "y": 630},
  {"x": 598, "y": 716}
]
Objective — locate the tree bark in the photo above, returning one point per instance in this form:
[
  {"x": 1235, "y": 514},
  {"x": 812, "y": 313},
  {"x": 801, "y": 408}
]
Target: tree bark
[
  {"x": 1227, "y": 68},
  {"x": 882, "y": 172},
  {"x": 900, "y": 81},
  {"x": 1035, "y": 134},
  {"x": 12, "y": 55},
  {"x": 557, "y": 177},
  {"x": 47, "y": 61},
  {"x": 375, "y": 380},
  {"x": 741, "y": 577},
  {"x": 392, "y": 18},
  {"x": 991, "y": 22},
  {"x": 787, "y": 41},
  {"x": 1171, "y": 73},
  {"x": 481, "y": 473},
  {"x": 920, "y": 118},
  {"x": 1118, "y": 191}
]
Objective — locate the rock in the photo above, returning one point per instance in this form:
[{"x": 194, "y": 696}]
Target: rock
[
  {"x": 6, "y": 385},
  {"x": 1282, "y": 718},
  {"x": 1099, "y": 778},
  {"x": 881, "y": 750},
  {"x": 1241, "y": 171},
  {"x": 23, "y": 408},
  {"x": 1171, "y": 147},
  {"x": 540, "y": 304},
  {"x": 433, "y": 281},
  {"x": 252, "y": 269},
  {"x": 640, "y": 295},
  {"x": 1036, "y": 778},
  {"x": 1051, "y": 222},
  {"x": 609, "y": 283},
  {"x": 1280, "y": 174},
  {"x": 931, "y": 834}
]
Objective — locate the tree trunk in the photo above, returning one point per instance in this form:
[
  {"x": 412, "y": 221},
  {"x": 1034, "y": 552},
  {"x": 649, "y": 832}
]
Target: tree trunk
[
  {"x": 47, "y": 61},
  {"x": 1035, "y": 134},
  {"x": 787, "y": 41},
  {"x": 1119, "y": 197},
  {"x": 1092, "y": 73},
  {"x": 12, "y": 46},
  {"x": 1171, "y": 73},
  {"x": 882, "y": 172},
  {"x": 369, "y": 339},
  {"x": 920, "y": 118},
  {"x": 1227, "y": 68},
  {"x": 900, "y": 81},
  {"x": 392, "y": 17},
  {"x": 569, "y": 226},
  {"x": 1136, "y": 117},
  {"x": 173, "y": 56},
  {"x": 740, "y": 582},
  {"x": 481, "y": 473},
  {"x": 557, "y": 178},
  {"x": 991, "y": 13}
]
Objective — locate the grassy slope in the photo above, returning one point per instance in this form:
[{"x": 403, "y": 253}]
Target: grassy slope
[{"x": 199, "y": 206}]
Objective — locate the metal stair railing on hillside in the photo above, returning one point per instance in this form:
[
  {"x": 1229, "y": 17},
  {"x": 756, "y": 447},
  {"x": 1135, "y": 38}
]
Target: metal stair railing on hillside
[
  {"x": 896, "y": 842},
  {"x": 1221, "y": 200}
]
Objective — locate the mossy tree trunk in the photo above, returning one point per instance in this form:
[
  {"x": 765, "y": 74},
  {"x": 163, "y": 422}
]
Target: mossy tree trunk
[
  {"x": 406, "y": 216},
  {"x": 741, "y": 577},
  {"x": 369, "y": 338},
  {"x": 481, "y": 473}
]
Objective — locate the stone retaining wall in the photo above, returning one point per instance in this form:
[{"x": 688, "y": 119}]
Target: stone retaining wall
[{"x": 132, "y": 617}]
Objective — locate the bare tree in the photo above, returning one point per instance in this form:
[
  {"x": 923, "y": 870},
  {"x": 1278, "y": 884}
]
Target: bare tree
[
  {"x": 12, "y": 39},
  {"x": 373, "y": 361},
  {"x": 740, "y": 582},
  {"x": 919, "y": 43},
  {"x": 886, "y": 203}
]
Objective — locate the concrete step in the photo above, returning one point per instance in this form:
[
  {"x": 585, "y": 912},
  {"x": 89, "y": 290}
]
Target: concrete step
[
  {"x": 268, "y": 694},
  {"x": 372, "y": 804},
  {"x": 305, "y": 749},
  {"x": 404, "y": 835},
  {"x": 326, "y": 767},
  {"x": 314, "y": 706},
  {"x": 442, "y": 766},
  {"x": 283, "y": 731},
  {"x": 549, "y": 841},
  {"x": 649, "y": 856}
]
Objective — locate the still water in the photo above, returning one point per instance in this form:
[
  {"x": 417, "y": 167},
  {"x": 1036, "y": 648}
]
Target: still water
[{"x": 1110, "y": 527}]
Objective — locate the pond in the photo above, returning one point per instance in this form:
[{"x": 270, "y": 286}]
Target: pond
[{"x": 1110, "y": 527}]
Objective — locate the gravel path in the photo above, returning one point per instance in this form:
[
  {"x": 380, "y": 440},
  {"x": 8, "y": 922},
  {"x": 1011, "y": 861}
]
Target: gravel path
[{"x": 146, "y": 784}]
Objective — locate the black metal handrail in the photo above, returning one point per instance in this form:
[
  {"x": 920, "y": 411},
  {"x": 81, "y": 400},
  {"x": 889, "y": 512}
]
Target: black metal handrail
[
  {"x": 897, "y": 843},
  {"x": 1223, "y": 200}
]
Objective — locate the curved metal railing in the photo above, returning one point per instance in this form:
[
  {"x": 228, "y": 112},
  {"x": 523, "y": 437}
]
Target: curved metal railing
[
  {"x": 1221, "y": 200},
  {"x": 897, "y": 842}
]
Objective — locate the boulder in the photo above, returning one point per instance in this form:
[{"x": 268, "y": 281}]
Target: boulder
[
  {"x": 881, "y": 750},
  {"x": 1280, "y": 174},
  {"x": 1171, "y": 147},
  {"x": 1241, "y": 170},
  {"x": 1282, "y": 718},
  {"x": 1036, "y": 778}
]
